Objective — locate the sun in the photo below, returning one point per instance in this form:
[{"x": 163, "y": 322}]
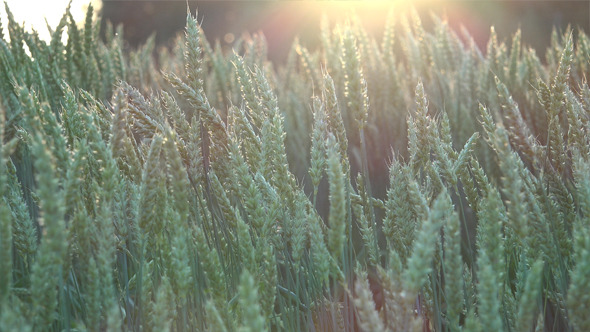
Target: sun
[{"x": 372, "y": 14}]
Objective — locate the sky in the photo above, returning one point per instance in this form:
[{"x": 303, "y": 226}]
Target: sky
[{"x": 34, "y": 12}]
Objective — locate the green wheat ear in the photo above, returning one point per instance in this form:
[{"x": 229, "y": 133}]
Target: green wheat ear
[
  {"x": 47, "y": 271},
  {"x": 453, "y": 268},
  {"x": 577, "y": 295},
  {"x": 419, "y": 264},
  {"x": 152, "y": 202},
  {"x": 252, "y": 319},
  {"x": 193, "y": 54},
  {"x": 6, "y": 221},
  {"x": 530, "y": 297},
  {"x": 318, "y": 137},
  {"x": 363, "y": 301},
  {"x": 337, "y": 220}
]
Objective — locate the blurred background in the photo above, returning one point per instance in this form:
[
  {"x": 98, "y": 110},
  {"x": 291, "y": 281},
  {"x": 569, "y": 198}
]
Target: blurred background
[{"x": 281, "y": 21}]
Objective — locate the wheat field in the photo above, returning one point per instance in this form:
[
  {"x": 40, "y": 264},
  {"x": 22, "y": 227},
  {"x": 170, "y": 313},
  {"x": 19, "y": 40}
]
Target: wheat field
[{"x": 410, "y": 183}]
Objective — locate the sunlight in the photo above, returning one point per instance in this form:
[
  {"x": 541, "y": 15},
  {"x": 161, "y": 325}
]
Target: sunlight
[
  {"x": 34, "y": 13},
  {"x": 371, "y": 14}
]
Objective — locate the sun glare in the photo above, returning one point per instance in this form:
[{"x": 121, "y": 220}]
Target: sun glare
[
  {"x": 372, "y": 14},
  {"x": 36, "y": 14},
  {"x": 365, "y": 10}
]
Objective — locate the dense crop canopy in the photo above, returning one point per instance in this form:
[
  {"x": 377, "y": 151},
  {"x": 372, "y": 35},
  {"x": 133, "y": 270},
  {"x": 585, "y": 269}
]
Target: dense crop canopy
[{"x": 411, "y": 183}]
